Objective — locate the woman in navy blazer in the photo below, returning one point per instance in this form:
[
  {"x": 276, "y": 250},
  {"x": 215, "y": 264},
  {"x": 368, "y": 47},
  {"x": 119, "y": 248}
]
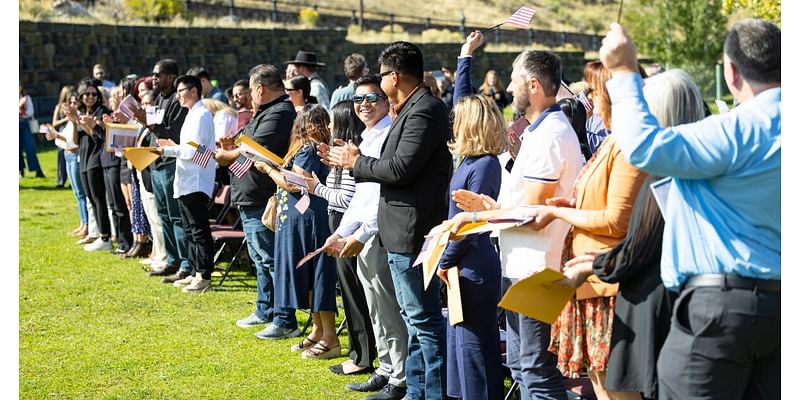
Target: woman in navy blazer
[{"x": 474, "y": 369}]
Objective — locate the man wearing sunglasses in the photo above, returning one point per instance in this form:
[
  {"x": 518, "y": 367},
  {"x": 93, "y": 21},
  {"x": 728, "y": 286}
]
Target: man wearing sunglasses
[{"x": 413, "y": 171}]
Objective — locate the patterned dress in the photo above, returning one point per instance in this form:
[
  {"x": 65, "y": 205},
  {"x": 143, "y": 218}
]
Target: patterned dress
[
  {"x": 139, "y": 224},
  {"x": 298, "y": 234}
]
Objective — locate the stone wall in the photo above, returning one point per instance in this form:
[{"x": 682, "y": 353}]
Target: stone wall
[{"x": 54, "y": 54}]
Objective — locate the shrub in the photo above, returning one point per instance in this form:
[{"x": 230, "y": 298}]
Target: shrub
[
  {"x": 309, "y": 17},
  {"x": 154, "y": 10}
]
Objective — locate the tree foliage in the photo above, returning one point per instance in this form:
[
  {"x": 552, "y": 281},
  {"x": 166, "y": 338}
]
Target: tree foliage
[
  {"x": 154, "y": 10},
  {"x": 678, "y": 31},
  {"x": 766, "y": 9}
]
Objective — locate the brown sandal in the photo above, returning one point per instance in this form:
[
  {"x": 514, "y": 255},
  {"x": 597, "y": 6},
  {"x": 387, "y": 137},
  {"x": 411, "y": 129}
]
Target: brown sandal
[
  {"x": 322, "y": 352},
  {"x": 302, "y": 345}
]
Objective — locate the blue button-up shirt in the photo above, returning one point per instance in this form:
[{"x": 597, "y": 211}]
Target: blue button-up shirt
[{"x": 724, "y": 209}]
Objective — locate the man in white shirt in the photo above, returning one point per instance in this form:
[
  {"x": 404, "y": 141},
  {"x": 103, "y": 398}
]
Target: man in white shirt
[
  {"x": 356, "y": 237},
  {"x": 194, "y": 183},
  {"x": 547, "y": 165}
]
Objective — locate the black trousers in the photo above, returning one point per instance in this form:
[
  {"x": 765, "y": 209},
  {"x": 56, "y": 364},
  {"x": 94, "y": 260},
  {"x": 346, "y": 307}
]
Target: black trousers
[
  {"x": 361, "y": 340},
  {"x": 61, "y": 168},
  {"x": 200, "y": 246},
  {"x": 95, "y": 188},
  {"x": 722, "y": 344},
  {"x": 119, "y": 208}
]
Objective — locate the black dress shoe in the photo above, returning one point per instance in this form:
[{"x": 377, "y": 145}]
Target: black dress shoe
[
  {"x": 389, "y": 392},
  {"x": 167, "y": 270},
  {"x": 176, "y": 276},
  {"x": 338, "y": 369},
  {"x": 376, "y": 382}
]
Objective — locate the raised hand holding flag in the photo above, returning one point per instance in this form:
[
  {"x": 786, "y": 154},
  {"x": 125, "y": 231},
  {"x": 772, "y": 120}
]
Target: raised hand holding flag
[{"x": 521, "y": 19}]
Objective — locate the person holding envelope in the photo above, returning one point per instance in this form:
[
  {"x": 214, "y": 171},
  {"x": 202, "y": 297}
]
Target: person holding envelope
[{"x": 474, "y": 367}]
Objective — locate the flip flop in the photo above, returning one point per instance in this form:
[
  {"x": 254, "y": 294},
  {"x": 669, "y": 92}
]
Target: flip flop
[
  {"x": 302, "y": 345},
  {"x": 322, "y": 352}
]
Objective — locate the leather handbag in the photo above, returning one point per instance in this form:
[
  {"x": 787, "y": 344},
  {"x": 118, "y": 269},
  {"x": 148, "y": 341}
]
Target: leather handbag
[{"x": 270, "y": 213}]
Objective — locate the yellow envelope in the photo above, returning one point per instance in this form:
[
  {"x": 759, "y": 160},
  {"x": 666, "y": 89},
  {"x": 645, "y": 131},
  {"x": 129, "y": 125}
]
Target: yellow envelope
[
  {"x": 537, "y": 296},
  {"x": 431, "y": 263},
  {"x": 251, "y": 148},
  {"x": 455, "y": 311},
  {"x": 141, "y": 157}
]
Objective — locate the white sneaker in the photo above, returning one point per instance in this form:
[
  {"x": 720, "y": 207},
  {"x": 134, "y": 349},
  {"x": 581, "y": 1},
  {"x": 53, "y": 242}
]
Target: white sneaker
[
  {"x": 146, "y": 261},
  {"x": 183, "y": 282},
  {"x": 198, "y": 285},
  {"x": 98, "y": 245}
]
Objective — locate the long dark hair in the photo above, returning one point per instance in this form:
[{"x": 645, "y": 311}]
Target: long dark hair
[
  {"x": 346, "y": 126},
  {"x": 85, "y": 84}
]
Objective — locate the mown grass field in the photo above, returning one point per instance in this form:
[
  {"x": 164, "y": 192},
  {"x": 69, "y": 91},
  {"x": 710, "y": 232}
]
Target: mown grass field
[{"x": 92, "y": 326}]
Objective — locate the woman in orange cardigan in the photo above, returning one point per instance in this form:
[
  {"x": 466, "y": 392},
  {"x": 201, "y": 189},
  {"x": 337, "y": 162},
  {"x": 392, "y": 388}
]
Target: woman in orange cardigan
[{"x": 605, "y": 192}]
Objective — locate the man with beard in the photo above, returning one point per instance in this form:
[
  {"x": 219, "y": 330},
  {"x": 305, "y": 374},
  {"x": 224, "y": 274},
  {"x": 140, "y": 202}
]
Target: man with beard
[{"x": 546, "y": 167}]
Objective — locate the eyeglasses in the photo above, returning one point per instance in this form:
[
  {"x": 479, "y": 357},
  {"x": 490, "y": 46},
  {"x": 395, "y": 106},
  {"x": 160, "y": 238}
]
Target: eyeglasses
[
  {"x": 371, "y": 97},
  {"x": 291, "y": 90},
  {"x": 384, "y": 73},
  {"x": 93, "y": 94},
  {"x": 181, "y": 90}
]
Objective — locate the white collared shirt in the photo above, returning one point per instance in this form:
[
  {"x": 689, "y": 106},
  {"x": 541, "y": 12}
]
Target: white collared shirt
[
  {"x": 549, "y": 154},
  {"x": 361, "y": 218},
  {"x": 198, "y": 127}
]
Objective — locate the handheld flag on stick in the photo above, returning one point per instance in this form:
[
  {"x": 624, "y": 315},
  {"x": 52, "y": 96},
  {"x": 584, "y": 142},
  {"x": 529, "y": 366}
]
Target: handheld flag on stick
[
  {"x": 240, "y": 166},
  {"x": 202, "y": 156},
  {"x": 520, "y": 19}
]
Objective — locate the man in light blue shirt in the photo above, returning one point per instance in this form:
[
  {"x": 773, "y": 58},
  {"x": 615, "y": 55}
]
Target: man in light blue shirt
[{"x": 722, "y": 232}]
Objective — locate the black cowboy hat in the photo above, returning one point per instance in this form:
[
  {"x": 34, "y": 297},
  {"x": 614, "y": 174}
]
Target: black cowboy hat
[{"x": 305, "y": 57}]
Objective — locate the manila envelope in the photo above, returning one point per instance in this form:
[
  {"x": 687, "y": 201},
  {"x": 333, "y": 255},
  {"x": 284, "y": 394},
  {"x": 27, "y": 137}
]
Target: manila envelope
[
  {"x": 455, "y": 311},
  {"x": 538, "y": 296},
  {"x": 141, "y": 157}
]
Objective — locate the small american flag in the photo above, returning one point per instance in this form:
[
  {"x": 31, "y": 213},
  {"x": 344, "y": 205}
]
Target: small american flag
[
  {"x": 240, "y": 166},
  {"x": 202, "y": 156},
  {"x": 521, "y": 18},
  {"x": 587, "y": 104}
]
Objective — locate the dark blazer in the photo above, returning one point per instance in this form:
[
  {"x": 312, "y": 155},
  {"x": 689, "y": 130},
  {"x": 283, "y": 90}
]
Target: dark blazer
[{"x": 413, "y": 170}]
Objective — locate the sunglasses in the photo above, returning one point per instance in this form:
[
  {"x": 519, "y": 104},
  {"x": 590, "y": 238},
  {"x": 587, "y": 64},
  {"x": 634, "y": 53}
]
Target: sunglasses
[
  {"x": 371, "y": 97},
  {"x": 92, "y": 94}
]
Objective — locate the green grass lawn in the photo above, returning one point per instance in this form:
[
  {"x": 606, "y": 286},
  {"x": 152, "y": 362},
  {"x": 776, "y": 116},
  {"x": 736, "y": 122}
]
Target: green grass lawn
[{"x": 93, "y": 326}]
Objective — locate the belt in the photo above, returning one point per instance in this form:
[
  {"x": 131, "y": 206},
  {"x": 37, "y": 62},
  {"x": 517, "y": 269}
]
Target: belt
[
  {"x": 71, "y": 151},
  {"x": 733, "y": 282}
]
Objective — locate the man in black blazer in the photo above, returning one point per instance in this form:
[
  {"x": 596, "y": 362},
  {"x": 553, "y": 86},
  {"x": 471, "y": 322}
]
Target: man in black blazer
[{"x": 413, "y": 170}]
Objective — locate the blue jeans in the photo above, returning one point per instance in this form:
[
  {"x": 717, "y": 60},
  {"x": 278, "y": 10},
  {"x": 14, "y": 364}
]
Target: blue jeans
[
  {"x": 422, "y": 312},
  {"x": 74, "y": 175},
  {"x": 528, "y": 359},
  {"x": 168, "y": 211},
  {"x": 28, "y": 145},
  {"x": 261, "y": 247}
]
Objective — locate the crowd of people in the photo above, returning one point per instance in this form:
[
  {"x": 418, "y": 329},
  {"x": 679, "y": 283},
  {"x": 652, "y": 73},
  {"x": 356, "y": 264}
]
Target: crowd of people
[{"x": 677, "y": 297}]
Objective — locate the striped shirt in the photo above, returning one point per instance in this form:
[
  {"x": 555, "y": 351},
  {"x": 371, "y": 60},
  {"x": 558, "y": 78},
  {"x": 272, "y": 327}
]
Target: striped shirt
[{"x": 338, "y": 196}]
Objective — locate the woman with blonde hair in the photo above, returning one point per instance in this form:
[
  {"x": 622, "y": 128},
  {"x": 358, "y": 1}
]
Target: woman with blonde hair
[
  {"x": 474, "y": 367},
  {"x": 493, "y": 87},
  {"x": 300, "y": 230}
]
